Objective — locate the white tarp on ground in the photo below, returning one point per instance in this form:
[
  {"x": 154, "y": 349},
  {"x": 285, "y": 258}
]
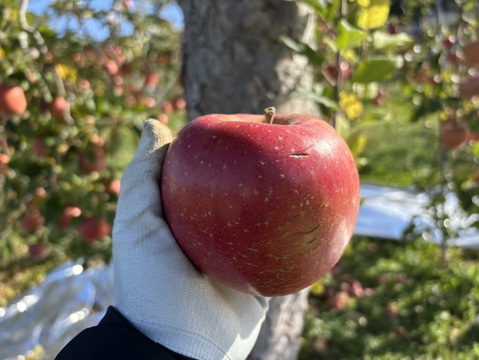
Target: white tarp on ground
[{"x": 71, "y": 298}]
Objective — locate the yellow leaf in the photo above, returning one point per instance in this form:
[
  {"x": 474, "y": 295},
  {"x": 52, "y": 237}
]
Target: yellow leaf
[
  {"x": 66, "y": 72},
  {"x": 351, "y": 105},
  {"x": 364, "y": 3},
  {"x": 357, "y": 143},
  {"x": 317, "y": 289},
  {"x": 374, "y": 15},
  {"x": 2, "y": 53}
]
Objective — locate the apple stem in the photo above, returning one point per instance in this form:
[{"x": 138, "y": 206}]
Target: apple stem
[{"x": 269, "y": 113}]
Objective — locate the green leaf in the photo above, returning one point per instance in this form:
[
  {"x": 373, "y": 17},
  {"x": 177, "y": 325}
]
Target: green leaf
[
  {"x": 316, "y": 95},
  {"x": 349, "y": 36},
  {"x": 303, "y": 49},
  {"x": 372, "y": 14},
  {"x": 376, "y": 69},
  {"x": 385, "y": 41},
  {"x": 292, "y": 44},
  {"x": 318, "y": 6}
]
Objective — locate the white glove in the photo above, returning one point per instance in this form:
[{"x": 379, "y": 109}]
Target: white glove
[{"x": 156, "y": 287}]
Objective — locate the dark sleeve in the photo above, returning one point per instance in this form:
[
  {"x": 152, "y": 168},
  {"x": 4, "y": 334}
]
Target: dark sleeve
[{"x": 115, "y": 338}]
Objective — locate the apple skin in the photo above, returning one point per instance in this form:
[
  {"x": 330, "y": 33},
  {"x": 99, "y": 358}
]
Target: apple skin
[{"x": 264, "y": 208}]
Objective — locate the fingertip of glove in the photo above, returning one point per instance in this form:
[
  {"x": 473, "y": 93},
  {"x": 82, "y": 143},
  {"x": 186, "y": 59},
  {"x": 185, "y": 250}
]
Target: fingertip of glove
[{"x": 157, "y": 130}]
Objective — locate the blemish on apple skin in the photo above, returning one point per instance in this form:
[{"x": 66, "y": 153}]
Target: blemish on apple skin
[{"x": 299, "y": 155}]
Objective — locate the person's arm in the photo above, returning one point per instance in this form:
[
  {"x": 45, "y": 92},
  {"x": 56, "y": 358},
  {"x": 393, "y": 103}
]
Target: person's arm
[{"x": 115, "y": 338}]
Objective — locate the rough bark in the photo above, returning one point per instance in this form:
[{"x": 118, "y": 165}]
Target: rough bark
[
  {"x": 233, "y": 62},
  {"x": 280, "y": 335}
]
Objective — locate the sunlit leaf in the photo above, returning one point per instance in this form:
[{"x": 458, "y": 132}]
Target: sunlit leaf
[
  {"x": 66, "y": 72},
  {"x": 364, "y": 3},
  {"x": 373, "y": 14},
  {"x": 357, "y": 143},
  {"x": 383, "y": 40},
  {"x": 351, "y": 105},
  {"x": 349, "y": 36},
  {"x": 318, "y": 6},
  {"x": 376, "y": 69}
]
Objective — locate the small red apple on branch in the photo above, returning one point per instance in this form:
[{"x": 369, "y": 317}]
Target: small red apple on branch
[
  {"x": 94, "y": 229},
  {"x": 263, "y": 204},
  {"x": 454, "y": 134},
  {"x": 12, "y": 100}
]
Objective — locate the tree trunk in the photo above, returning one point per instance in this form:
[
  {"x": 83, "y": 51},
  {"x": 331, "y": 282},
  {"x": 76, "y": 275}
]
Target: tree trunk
[{"x": 233, "y": 62}]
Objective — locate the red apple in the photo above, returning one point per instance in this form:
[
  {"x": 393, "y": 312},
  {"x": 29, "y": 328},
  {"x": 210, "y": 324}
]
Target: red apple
[
  {"x": 93, "y": 229},
  {"x": 163, "y": 118},
  {"x": 167, "y": 107},
  {"x": 340, "y": 300},
  {"x": 65, "y": 219},
  {"x": 449, "y": 41},
  {"x": 128, "y": 4},
  {"x": 32, "y": 220},
  {"x": 471, "y": 53},
  {"x": 58, "y": 108},
  {"x": 152, "y": 79},
  {"x": 179, "y": 104},
  {"x": 113, "y": 187},
  {"x": 266, "y": 208},
  {"x": 12, "y": 100},
  {"x": 454, "y": 134},
  {"x": 126, "y": 70},
  {"x": 38, "y": 251},
  {"x": 4, "y": 160},
  {"x": 111, "y": 67},
  {"x": 469, "y": 86}
]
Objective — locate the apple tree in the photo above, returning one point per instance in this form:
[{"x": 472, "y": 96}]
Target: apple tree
[
  {"x": 441, "y": 72},
  {"x": 72, "y": 105}
]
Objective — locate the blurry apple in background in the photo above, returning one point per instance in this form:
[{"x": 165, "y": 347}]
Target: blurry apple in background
[
  {"x": 65, "y": 219},
  {"x": 113, "y": 187},
  {"x": 39, "y": 251},
  {"x": 93, "y": 229},
  {"x": 111, "y": 67},
  {"x": 32, "y": 220},
  {"x": 4, "y": 160},
  {"x": 58, "y": 108},
  {"x": 12, "y": 100},
  {"x": 167, "y": 107},
  {"x": 471, "y": 53},
  {"x": 454, "y": 134}
]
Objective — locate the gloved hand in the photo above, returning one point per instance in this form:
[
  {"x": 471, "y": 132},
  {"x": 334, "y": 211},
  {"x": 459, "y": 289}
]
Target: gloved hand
[{"x": 156, "y": 287}]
